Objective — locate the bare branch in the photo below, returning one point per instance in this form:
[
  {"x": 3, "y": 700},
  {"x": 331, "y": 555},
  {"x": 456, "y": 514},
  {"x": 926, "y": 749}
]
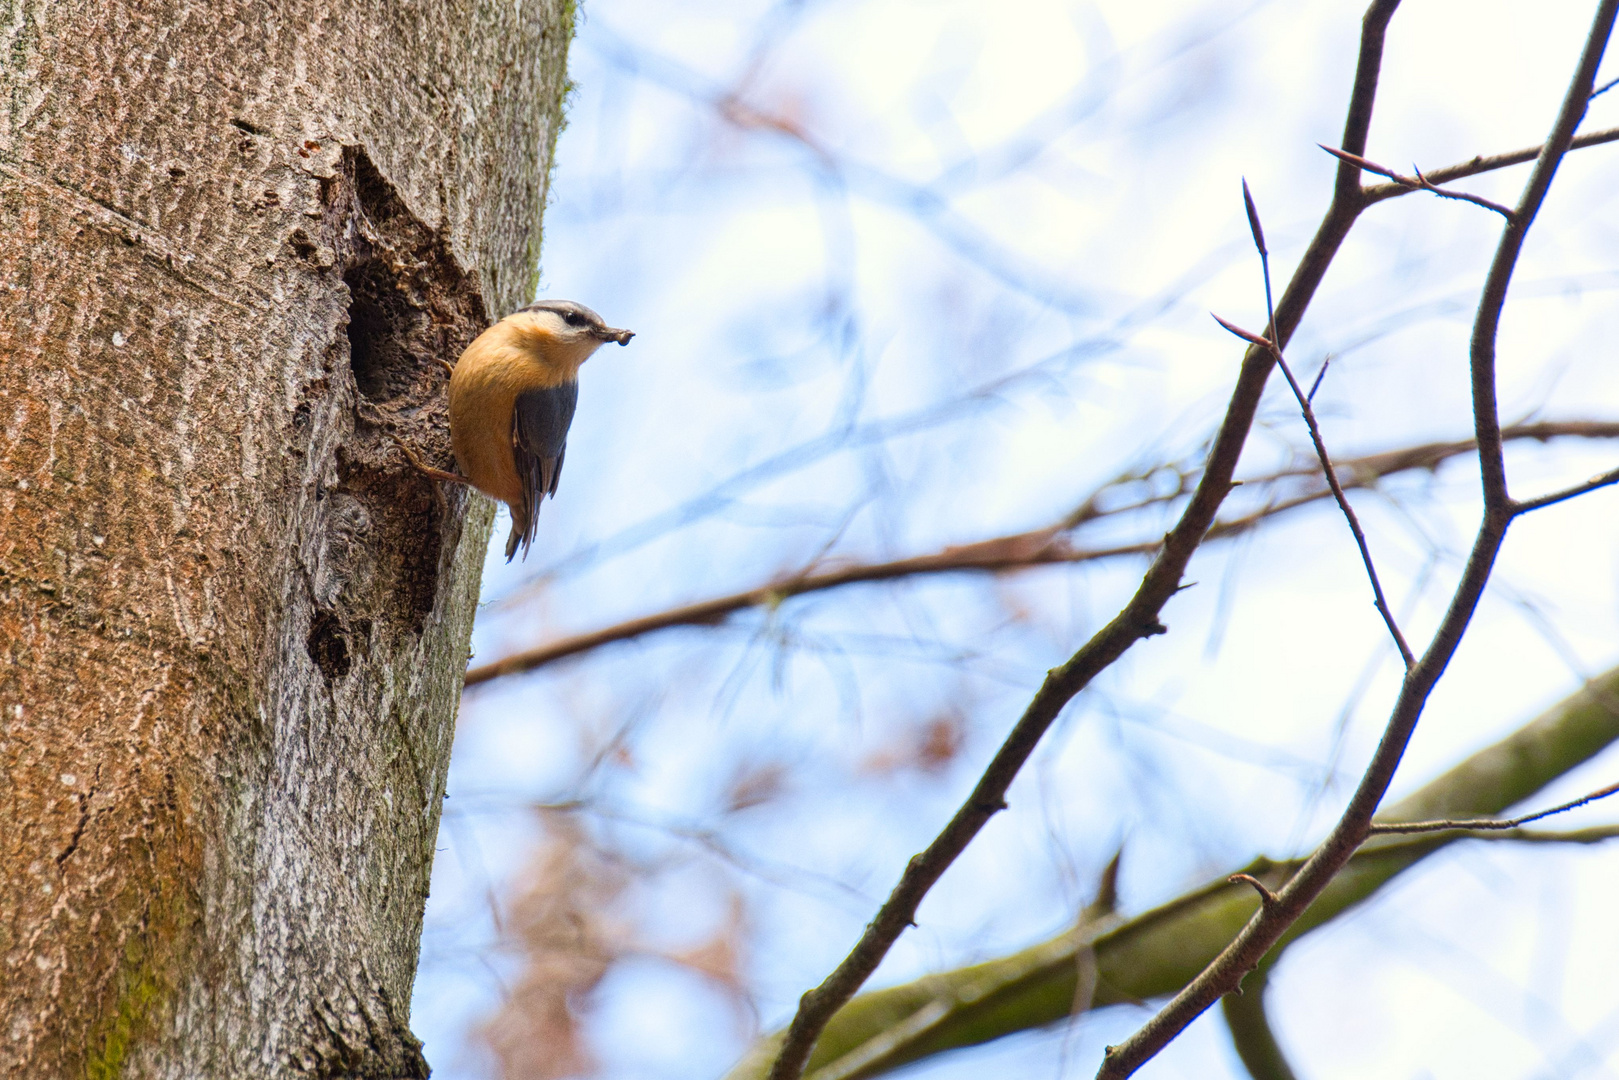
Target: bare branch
[
  {"x": 1272, "y": 921},
  {"x": 1378, "y": 599},
  {"x": 1140, "y": 617},
  {"x": 1486, "y": 421}
]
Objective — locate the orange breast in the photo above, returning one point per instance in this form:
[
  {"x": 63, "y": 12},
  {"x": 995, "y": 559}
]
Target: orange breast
[{"x": 486, "y": 382}]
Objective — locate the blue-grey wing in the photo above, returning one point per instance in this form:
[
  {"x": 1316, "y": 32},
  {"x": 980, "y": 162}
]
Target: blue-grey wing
[{"x": 540, "y": 420}]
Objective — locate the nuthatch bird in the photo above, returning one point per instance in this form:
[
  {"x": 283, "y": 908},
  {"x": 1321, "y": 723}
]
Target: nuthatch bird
[{"x": 512, "y": 396}]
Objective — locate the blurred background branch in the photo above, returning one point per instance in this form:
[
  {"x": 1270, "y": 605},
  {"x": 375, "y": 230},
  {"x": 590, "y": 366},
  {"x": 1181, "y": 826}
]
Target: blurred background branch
[
  {"x": 1158, "y": 951},
  {"x": 1280, "y": 492}
]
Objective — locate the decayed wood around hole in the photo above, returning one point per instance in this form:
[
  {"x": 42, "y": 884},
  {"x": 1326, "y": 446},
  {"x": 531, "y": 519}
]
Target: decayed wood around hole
[{"x": 234, "y": 238}]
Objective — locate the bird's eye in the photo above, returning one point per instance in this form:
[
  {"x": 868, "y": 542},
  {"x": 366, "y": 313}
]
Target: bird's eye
[{"x": 573, "y": 318}]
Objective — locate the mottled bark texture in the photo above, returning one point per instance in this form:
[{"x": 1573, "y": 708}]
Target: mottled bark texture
[{"x": 235, "y": 237}]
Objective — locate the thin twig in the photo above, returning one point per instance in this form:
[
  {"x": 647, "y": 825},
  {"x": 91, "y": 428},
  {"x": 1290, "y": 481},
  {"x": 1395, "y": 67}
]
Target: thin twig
[
  {"x": 1417, "y": 182},
  {"x": 1378, "y": 599},
  {"x": 1272, "y": 921},
  {"x": 1319, "y": 376},
  {"x": 1488, "y": 824},
  {"x": 1595, "y": 834},
  {"x": 1601, "y": 480},
  {"x": 1482, "y": 164}
]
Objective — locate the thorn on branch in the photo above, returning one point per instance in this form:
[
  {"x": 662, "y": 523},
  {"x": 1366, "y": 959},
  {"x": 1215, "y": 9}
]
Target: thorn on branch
[
  {"x": 1359, "y": 162},
  {"x": 1417, "y": 182},
  {"x": 1236, "y": 988},
  {"x": 1326, "y": 462},
  {"x": 1251, "y": 338},
  {"x": 1309, "y": 398},
  {"x": 1107, "y": 888},
  {"x": 1267, "y": 898}
]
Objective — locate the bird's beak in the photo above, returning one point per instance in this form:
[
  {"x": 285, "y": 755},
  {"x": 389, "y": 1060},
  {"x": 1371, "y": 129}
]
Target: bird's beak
[{"x": 607, "y": 333}]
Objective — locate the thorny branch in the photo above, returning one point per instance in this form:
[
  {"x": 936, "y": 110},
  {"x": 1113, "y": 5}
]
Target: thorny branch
[
  {"x": 1138, "y": 620},
  {"x": 1320, "y": 445},
  {"x": 1272, "y": 920},
  {"x": 1483, "y": 165},
  {"x": 1417, "y": 182},
  {"x": 1040, "y": 547}
]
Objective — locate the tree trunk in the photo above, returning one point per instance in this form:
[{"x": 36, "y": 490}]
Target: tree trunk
[{"x": 235, "y": 238}]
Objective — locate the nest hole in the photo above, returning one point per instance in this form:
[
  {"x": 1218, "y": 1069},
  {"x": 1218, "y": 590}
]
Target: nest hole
[
  {"x": 382, "y": 324},
  {"x": 328, "y": 645}
]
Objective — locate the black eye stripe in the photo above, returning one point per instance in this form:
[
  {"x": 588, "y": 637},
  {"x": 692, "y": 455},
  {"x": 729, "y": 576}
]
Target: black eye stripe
[{"x": 573, "y": 315}]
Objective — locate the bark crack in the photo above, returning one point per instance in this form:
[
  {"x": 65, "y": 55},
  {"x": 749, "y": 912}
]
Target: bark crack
[{"x": 84, "y": 800}]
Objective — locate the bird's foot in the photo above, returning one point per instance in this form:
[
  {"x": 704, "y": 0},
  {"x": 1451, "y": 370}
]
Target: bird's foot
[{"x": 428, "y": 471}]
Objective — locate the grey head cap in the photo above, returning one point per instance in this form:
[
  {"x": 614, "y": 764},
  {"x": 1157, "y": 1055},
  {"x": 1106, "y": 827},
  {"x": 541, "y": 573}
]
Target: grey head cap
[{"x": 581, "y": 317}]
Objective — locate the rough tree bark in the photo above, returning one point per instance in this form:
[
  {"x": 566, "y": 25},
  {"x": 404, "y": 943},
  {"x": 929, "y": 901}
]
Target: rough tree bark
[{"x": 234, "y": 237}]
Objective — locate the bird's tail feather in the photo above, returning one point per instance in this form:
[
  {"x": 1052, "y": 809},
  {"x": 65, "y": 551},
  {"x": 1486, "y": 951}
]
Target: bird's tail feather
[{"x": 524, "y": 520}]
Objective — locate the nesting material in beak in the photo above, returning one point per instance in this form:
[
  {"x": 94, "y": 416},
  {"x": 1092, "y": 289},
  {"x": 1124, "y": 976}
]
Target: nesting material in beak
[{"x": 607, "y": 333}]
